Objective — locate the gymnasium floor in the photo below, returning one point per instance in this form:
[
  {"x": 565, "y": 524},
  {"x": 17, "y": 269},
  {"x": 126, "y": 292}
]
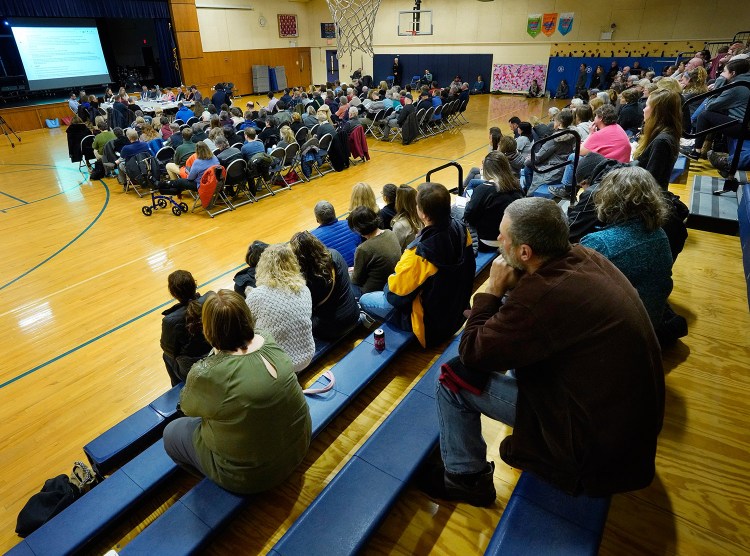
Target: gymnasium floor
[{"x": 83, "y": 282}]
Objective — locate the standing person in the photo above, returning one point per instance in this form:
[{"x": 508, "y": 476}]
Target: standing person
[
  {"x": 248, "y": 425},
  {"x": 182, "y": 339},
  {"x": 432, "y": 283},
  {"x": 396, "y": 72},
  {"x": 377, "y": 255},
  {"x": 558, "y": 401},
  {"x": 581, "y": 88},
  {"x": 282, "y": 305}
]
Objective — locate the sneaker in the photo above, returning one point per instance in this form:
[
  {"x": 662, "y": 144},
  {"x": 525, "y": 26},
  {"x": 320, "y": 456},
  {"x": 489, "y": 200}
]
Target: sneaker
[
  {"x": 477, "y": 489},
  {"x": 720, "y": 161},
  {"x": 366, "y": 320},
  {"x": 561, "y": 192},
  {"x": 692, "y": 154}
]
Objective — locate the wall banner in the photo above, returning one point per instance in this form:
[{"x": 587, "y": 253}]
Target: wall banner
[
  {"x": 549, "y": 23},
  {"x": 534, "y": 24},
  {"x": 566, "y": 23}
]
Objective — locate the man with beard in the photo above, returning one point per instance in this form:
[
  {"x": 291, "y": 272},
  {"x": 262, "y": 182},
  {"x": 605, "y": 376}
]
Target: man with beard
[{"x": 586, "y": 395}]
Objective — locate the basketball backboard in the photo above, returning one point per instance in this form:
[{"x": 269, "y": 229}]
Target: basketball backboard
[{"x": 415, "y": 22}]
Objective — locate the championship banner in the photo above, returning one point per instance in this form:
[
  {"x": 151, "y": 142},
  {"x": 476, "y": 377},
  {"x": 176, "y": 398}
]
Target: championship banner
[
  {"x": 566, "y": 23},
  {"x": 534, "y": 24},
  {"x": 548, "y": 24}
]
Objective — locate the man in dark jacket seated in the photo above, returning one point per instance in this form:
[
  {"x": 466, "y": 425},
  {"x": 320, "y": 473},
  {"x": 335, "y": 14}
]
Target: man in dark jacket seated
[
  {"x": 432, "y": 284},
  {"x": 586, "y": 399}
]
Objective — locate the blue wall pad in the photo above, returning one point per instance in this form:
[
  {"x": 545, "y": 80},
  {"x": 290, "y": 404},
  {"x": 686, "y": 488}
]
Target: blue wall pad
[
  {"x": 166, "y": 404},
  {"x": 744, "y": 222},
  {"x": 679, "y": 168},
  {"x": 179, "y": 532},
  {"x": 484, "y": 259},
  {"x": 21, "y": 549},
  {"x": 564, "y": 67},
  {"x": 444, "y": 67},
  {"x": 541, "y": 519},
  {"x": 428, "y": 382},
  {"x": 543, "y": 191},
  {"x": 333, "y": 524}
]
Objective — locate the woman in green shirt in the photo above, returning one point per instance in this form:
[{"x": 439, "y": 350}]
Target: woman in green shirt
[{"x": 248, "y": 424}]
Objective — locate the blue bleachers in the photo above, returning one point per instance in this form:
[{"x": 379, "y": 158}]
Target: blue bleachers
[
  {"x": 541, "y": 519},
  {"x": 150, "y": 468},
  {"x": 743, "y": 216},
  {"x": 214, "y": 506},
  {"x": 130, "y": 436},
  {"x": 679, "y": 168},
  {"x": 365, "y": 489}
]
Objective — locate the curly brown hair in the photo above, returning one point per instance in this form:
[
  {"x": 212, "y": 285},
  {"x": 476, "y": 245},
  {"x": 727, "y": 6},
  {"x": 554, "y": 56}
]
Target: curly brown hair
[
  {"x": 629, "y": 193},
  {"x": 314, "y": 259}
]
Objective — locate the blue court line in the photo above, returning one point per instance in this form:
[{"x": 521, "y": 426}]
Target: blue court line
[
  {"x": 108, "y": 332},
  {"x": 36, "y": 167},
  {"x": 12, "y": 197},
  {"x": 43, "y": 198},
  {"x": 64, "y": 247}
]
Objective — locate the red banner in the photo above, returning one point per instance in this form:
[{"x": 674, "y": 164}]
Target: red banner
[{"x": 549, "y": 22}]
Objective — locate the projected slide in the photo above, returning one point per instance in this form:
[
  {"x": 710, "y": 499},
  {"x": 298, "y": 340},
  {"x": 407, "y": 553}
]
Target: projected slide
[{"x": 56, "y": 57}]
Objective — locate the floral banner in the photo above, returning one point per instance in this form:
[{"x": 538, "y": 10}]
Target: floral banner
[
  {"x": 566, "y": 23},
  {"x": 534, "y": 24},
  {"x": 548, "y": 24},
  {"x": 516, "y": 78}
]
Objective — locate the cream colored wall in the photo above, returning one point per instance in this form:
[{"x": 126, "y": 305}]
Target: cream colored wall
[{"x": 470, "y": 26}]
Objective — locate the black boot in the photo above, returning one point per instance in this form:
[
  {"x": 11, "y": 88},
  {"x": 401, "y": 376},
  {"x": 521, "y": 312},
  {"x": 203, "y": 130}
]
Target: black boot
[{"x": 477, "y": 489}]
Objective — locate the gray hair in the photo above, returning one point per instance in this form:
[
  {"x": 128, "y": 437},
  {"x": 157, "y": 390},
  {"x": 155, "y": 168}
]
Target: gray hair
[
  {"x": 197, "y": 127},
  {"x": 607, "y": 113},
  {"x": 353, "y": 112},
  {"x": 220, "y": 141},
  {"x": 540, "y": 224},
  {"x": 131, "y": 134},
  {"x": 576, "y": 102},
  {"x": 324, "y": 212}
]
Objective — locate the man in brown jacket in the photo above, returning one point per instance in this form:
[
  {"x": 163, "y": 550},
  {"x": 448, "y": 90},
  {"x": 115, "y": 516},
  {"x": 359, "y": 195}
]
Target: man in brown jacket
[{"x": 587, "y": 397}]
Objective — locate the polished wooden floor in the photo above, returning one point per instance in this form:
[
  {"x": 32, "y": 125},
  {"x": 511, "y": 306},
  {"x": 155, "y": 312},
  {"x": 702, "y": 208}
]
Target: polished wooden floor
[{"x": 83, "y": 282}]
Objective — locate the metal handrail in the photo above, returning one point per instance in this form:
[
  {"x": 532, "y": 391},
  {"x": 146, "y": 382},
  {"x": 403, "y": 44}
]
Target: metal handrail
[
  {"x": 447, "y": 165},
  {"x": 731, "y": 183}
]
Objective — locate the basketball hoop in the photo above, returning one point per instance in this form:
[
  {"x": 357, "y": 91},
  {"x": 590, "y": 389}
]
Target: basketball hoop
[{"x": 354, "y": 20}]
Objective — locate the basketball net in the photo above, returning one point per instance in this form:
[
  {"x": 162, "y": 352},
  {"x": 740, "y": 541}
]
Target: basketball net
[{"x": 355, "y": 20}]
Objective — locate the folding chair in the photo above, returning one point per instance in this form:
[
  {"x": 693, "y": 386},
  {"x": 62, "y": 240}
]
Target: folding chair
[
  {"x": 415, "y": 81},
  {"x": 179, "y": 122},
  {"x": 237, "y": 178},
  {"x": 438, "y": 122},
  {"x": 301, "y": 135},
  {"x": 461, "y": 111},
  {"x": 140, "y": 181},
  {"x": 87, "y": 152},
  {"x": 325, "y": 145},
  {"x": 293, "y": 163},
  {"x": 192, "y": 121},
  {"x": 164, "y": 156},
  {"x": 425, "y": 122},
  {"x": 314, "y": 128},
  {"x": 375, "y": 123},
  {"x": 219, "y": 196}
]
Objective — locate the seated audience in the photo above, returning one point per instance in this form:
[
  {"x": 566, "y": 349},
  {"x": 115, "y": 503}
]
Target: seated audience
[
  {"x": 659, "y": 144},
  {"x": 584, "y": 117},
  {"x": 363, "y": 196},
  {"x": 551, "y": 154},
  {"x": 102, "y": 138},
  {"x": 630, "y": 116},
  {"x": 478, "y": 86},
  {"x": 606, "y": 137},
  {"x": 308, "y": 118},
  {"x": 281, "y": 304},
  {"x": 535, "y": 91},
  {"x": 334, "y": 233},
  {"x": 182, "y": 338},
  {"x": 488, "y": 202},
  {"x": 334, "y": 307},
  {"x": 406, "y": 224},
  {"x": 129, "y": 151},
  {"x": 226, "y": 154},
  {"x": 507, "y": 146},
  {"x": 563, "y": 90},
  {"x": 524, "y": 139},
  {"x": 377, "y": 255},
  {"x": 434, "y": 278},
  {"x": 182, "y": 152},
  {"x": 325, "y": 126},
  {"x": 183, "y": 113},
  {"x": 252, "y": 145},
  {"x": 190, "y": 175},
  {"x": 245, "y": 278},
  {"x": 387, "y": 213},
  {"x": 247, "y": 424},
  {"x": 558, "y": 401},
  {"x": 631, "y": 206}
]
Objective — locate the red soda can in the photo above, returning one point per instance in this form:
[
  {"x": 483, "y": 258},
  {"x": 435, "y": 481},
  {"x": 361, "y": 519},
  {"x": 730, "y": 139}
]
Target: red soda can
[{"x": 379, "y": 339}]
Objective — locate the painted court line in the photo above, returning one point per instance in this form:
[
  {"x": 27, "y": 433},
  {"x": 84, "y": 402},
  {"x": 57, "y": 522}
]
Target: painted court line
[
  {"x": 64, "y": 247},
  {"x": 15, "y": 198}
]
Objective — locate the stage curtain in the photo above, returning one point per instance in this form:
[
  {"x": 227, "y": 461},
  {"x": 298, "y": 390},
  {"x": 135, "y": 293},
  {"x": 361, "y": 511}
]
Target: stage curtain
[
  {"x": 169, "y": 74},
  {"x": 133, "y": 9}
]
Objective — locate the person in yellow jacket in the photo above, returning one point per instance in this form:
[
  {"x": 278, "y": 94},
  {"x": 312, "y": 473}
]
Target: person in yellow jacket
[{"x": 432, "y": 283}]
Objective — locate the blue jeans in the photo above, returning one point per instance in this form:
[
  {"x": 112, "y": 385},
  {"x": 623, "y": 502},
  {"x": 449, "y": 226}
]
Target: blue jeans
[
  {"x": 462, "y": 447},
  {"x": 525, "y": 176},
  {"x": 567, "y": 179},
  {"x": 375, "y": 304}
]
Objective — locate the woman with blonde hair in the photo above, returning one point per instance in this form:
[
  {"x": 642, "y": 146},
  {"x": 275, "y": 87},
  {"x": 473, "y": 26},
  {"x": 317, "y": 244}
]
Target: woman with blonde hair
[
  {"x": 659, "y": 144},
  {"x": 487, "y": 205},
  {"x": 247, "y": 424},
  {"x": 363, "y": 196},
  {"x": 326, "y": 110},
  {"x": 148, "y": 133},
  {"x": 406, "y": 224},
  {"x": 287, "y": 136},
  {"x": 282, "y": 305}
]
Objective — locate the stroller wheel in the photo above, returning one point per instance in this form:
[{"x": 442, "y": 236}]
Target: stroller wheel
[
  {"x": 162, "y": 203},
  {"x": 147, "y": 211},
  {"x": 183, "y": 207},
  {"x": 177, "y": 211}
]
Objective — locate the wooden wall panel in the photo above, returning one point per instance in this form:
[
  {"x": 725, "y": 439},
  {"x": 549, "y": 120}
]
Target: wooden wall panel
[
  {"x": 26, "y": 118},
  {"x": 189, "y": 44},
  {"x": 185, "y": 17}
]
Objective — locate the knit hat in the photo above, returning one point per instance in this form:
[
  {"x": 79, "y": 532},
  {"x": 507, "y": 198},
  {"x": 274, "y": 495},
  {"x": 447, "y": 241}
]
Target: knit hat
[{"x": 408, "y": 95}]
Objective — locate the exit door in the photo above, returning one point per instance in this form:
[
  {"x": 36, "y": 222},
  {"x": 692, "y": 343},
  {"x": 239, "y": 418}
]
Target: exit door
[{"x": 332, "y": 66}]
